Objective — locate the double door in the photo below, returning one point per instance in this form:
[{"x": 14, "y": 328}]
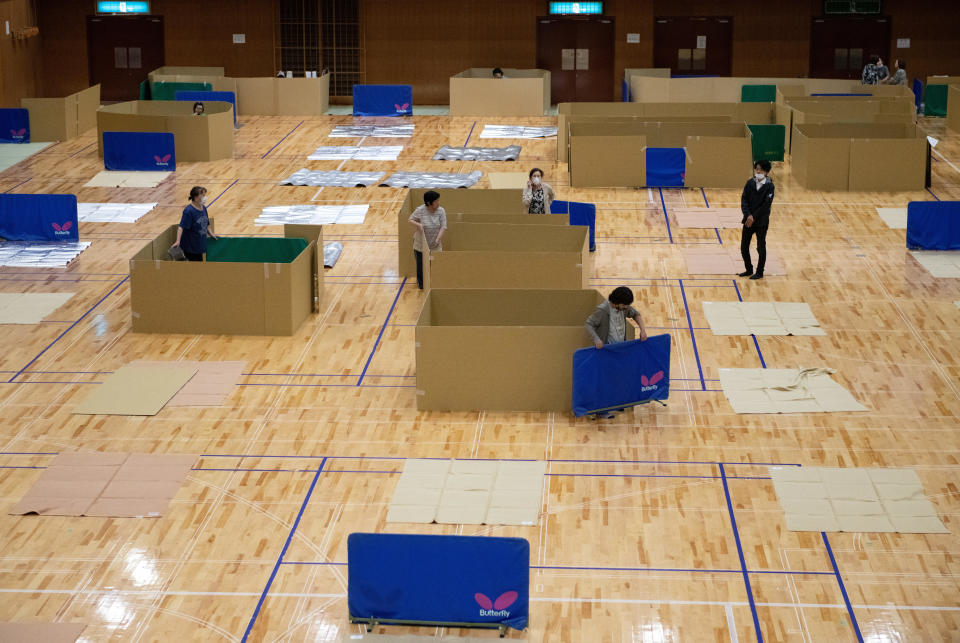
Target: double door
[
  {"x": 122, "y": 50},
  {"x": 840, "y": 46},
  {"x": 578, "y": 52}
]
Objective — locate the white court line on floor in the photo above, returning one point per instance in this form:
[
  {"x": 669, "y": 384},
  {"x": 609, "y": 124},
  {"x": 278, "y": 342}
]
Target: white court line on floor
[
  {"x": 947, "y": 161},
  {"x": 731, "y": 624}
]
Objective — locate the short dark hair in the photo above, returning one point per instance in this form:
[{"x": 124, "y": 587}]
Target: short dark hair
[
  {"x": 901, "y": 63},
  {"x": 763, "y": 164},
  {"x": 536, "y": 169},
  {"x": 196, "y": 191},
  {"x": 430, "y": 196},
  {"x": 621, "y": 295},
  {"x": 201, "y": 106},
  {"x": 497, "y": 70},
  {"x": 873, "y": 59}
]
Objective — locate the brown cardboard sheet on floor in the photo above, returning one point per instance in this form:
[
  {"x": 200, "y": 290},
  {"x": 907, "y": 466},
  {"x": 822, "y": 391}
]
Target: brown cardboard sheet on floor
[
  {"x": 718, "y": 260},
  {"x": 112, "y": 179},
  {"x": 854, "y": 500},
  {"x": 106, "y": 484},
  {"x": 30, "y": 308},
  {"x": 468, "y": 492},
  {"x": 210, "y": 386},
  {"x": 708, "y": 217},
  {"x": 136, "y": 390},
  {"x": 40, "y": 632}
]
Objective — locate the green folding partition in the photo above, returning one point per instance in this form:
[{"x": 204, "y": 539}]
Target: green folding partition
[
  {"x": 935, "y": 100},
  {"x": 768, "y": 141},
  {"x": 758, "y": 94},
  {"x": 254, "y": 249},
  {"x": 168, "y": 91}
]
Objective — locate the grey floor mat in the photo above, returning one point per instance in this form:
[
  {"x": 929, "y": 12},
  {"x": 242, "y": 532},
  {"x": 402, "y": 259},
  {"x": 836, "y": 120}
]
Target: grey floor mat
[
  {"x": 333, "y": 178},
  {"x": 27, "y": 254},
  {"x": 516, "y": 131},
  {"x": 447, "y": 153},
  {"x": 431, "y": 180},
  {"x": 331, "y": 253},
  {"x": 372, "y": 131}
]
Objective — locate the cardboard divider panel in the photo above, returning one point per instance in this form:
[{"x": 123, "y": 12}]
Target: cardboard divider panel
[
  {"x": 526, "y": 256},
  {"x": 500, "y": 350},
  {"x": 222, "y": 298},
  {"x": 953, "y": 117},
  {"x": 647, "y": 89},
  {"x": 60, "y": 119},
  {"x": 206, "y": 138},
  {"x": 522, "y": 92},
  {"x": 454, "y": 202}
]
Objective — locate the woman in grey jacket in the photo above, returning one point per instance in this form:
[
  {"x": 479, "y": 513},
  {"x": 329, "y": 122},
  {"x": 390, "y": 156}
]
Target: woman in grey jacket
[{"x": 607, "y": 324}]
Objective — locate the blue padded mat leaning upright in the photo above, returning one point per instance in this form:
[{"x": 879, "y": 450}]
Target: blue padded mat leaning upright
[
  {"x": 14, "y": 125},
  {"x": 579, "y": 214},
  {"x": 666, "y": 167},
  {"x": 933, "y": 225},
  {"x": 621, "y": 375},
  {"x": 382, "y": 100},
  {"x": 39, "y": 217},
  {"x": 139, "y": 151}
]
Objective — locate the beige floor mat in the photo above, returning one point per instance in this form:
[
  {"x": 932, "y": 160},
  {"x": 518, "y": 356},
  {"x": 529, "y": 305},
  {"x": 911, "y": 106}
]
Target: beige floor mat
[
  {"x": 708, "y": 217},
  {"x": 761, "y": 318},
  {"x": 785, "y": 390},
  {"x": 719, "y": 260},
  {"x": 28, "y": 307},
  {"x": 109, "y": 179},
  {"x": 136, "y": 390}
]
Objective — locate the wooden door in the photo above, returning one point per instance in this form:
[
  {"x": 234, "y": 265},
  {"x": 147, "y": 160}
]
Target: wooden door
[
  {"x": 694, "y": 45},
  {"x": 578, "y": 52},
  {"x": 841, "y": 45},
  {"x": 122, "y": 50}
]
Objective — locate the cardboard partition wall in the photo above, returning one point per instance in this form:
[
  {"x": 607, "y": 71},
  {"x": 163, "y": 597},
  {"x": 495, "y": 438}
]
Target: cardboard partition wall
[
  {"x": 613, "y": 154},
  {"x": 60, "y": 119},
  {"x": 223, "y": 298},
  {"x": 567, "y": 113},
  {"x": 197, "y": 138},
  {"x": 867, "y": 157},
  {"x": 837, "y": 109},
  {"x": 185, "y": 74},
  {"x": 454, "y": 202},
  {"x": 646, "y": 89},
  {"x": 526, "y": 256},
  {"x": 522, "y": 92},
  {"x": 500, "y": 350},
  {"x": 953, "y": 117}
]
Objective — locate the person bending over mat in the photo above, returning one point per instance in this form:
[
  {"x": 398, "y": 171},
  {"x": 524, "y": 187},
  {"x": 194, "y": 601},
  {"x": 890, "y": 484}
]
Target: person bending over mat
[
  {"x": 607, "y": 324},
  {"x": 430, "y": 223},
  {"x": 755, "y": 204},
  {"x": 537, "y": 196},
  {"x": 194, "y": 226}
]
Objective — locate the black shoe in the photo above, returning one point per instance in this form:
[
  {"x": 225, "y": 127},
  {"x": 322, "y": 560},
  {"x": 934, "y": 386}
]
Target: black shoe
[
  {"x": 759, "y": 275},
  {"x": 745, "y": 273}
]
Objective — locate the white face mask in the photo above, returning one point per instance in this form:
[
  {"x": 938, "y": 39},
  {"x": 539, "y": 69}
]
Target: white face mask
[
  {"x": 536, "y": 180},
  {"x": 203, "y": 199},
  {"x": 759, "y": 177}
]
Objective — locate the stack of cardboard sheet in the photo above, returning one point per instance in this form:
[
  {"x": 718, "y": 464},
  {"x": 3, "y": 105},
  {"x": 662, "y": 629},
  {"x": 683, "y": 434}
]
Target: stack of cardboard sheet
[
  {"x": 106, "y": 484},
  {"x": 837, "y": 499},
  {"x": 30, "y": 307},
  {"x": 761, "y": 318},
  {"x": 469, "y": 492},
  {"x": 785, "y": 390}
]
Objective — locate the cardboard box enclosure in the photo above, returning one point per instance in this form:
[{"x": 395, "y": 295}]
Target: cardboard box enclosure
[
  {"x": 792, "y": 111},
  {"x": 526, "y": 256},
  {"x": 60, "y": 119},
  {"x": 647, "y": 89},
  {"x": 523, "y": 92},
  {"x": 860, "y": 157},
  {"x": 454, "y": 202},
  {"x": 953, "y": 116},
  {"x": 196, "y": 138},
  {"x": 501, "y": 350},
  {"x": 224, "y": 298},
  {"x": 613, "y": 153}
]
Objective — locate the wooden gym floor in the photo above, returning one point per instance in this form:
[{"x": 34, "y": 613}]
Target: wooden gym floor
[{"x": 661, "y": 525}]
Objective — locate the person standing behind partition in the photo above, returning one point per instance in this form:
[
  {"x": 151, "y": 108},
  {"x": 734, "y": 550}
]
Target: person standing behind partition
[
  {"x": 755, "y": 204},
  {"x": 194, "y": 226},
  {"x": 497, "y": 73},
  {"x": 430, "y": 223},
  {"x": 199, "y": 109},
  {"x": 899, "y": 76},
  {"x": 537, "y": 196}
]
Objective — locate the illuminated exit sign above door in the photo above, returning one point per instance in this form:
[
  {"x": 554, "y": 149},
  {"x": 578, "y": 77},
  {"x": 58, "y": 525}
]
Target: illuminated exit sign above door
[
  {"x": 576, "y": 8},
  {"x": 123, "y": 7}
]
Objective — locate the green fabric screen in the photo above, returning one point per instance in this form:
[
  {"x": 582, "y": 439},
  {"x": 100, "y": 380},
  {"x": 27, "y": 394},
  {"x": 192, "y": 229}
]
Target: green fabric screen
[
  {"x": 254, "y": 249},
  {"x": 768, "y": 141},
  {"x": 935, "y": 100},
  {"x": 145, "y": 90},
  {"x": 168, "y": 91},
  {"x": 758, "y": 94}
]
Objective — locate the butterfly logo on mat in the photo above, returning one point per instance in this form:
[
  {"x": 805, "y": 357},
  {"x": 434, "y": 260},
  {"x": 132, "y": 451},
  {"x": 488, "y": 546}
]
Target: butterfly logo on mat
[
  {"x": 61, "y": 229},
  {"x": 650, "y": 383},
  {"x": 18, "y": 133},
  {"x": 162, "y": 160},
  {"x": 497, "y": 607},
  {"x": 402, "y": 108}
]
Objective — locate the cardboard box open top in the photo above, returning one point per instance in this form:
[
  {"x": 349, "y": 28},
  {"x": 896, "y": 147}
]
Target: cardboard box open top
[
  {"x": 647, "y": 89},
  {"x": 196, "y": 138},
  {"x": 525, "y": 256},
  {"x": 60, "y": 119},
  {"x": 454, "y": 202},
  {"x": 501, "y": 350},
  {"x": 859, "y": 156},
  {"x": 523, "y": 92},
  {"x": 221, "y": 298}
]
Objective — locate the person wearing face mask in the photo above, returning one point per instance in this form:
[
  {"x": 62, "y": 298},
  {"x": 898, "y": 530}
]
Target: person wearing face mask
[
  {"x": 537, "y": 196},
  {"x": 755, "y": 204},
  {"x": 430, "y": 223},
  {"x": 194, "y": 226}
]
